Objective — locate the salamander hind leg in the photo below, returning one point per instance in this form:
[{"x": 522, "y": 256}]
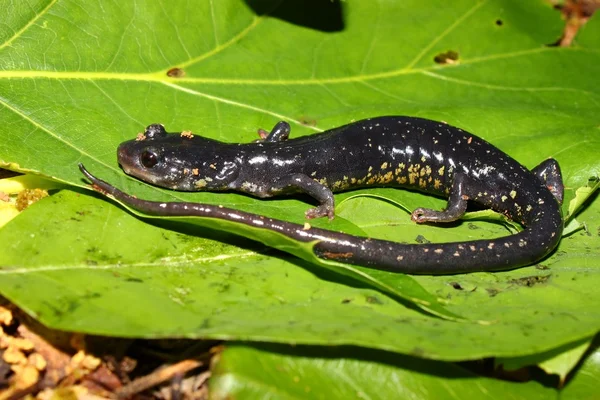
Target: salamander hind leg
[
  {"x": 303, "y": 183},
  {"x": 279, "y": 133},
  {"x": 457, "y": 204},
  {"x": 549, "y": 172}
]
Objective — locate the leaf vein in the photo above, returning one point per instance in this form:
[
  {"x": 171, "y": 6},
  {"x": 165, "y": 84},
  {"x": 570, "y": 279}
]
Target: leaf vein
[
  {"x": 28, "y": 25},
  {"x": 235, "y": 103}
]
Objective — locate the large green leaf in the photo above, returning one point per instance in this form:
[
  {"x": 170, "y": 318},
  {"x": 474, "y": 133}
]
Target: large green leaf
[
  {"x": 308, "y": 373},
  {"x": 78, "y": 265},
  {"x": 75, "y": 81},
  {"x": 585, "y": 383}
]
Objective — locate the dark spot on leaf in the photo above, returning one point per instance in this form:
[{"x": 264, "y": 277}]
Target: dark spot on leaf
[
  {"x": 499, "y": 22},
  {"x": 56, "y": 311},
  {"x": 346, "y": 301},
  {"x": 307, "y": 121},
  {"x": 205, "y": 324},
  {"x": 492, "y": 292},
  {"x": 221, "y": 287},
  {"x": 530, "y": 281},
  {"x": 472, "y": 226},
  {"x": 456, "y": 285},
  {"x": 176, "y": 73},
  {"x": 136, "y": 280},
  {"x": 373, "y": 300},
  {"x": 417, "y": 351},
  {"x": 92, "y": 249},
  {"x": 224, "y": 288},
  {"x": 421, "y": 239},
  {"x": 448, "y": 57}
]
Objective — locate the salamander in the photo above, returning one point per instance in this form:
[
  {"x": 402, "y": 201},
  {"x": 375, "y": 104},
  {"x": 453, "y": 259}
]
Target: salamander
[{"x": 396, "y": 151}]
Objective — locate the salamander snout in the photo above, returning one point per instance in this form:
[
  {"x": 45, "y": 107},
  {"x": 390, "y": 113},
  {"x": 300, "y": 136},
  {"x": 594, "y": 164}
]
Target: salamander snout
[
  {"x": 125, "y": 158},
  {"x": 158, "y": 163},
  {"x": 146, "y": 163}
]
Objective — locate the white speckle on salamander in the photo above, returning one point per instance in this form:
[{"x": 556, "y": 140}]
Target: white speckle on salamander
[{"x": 249, "y": 187}]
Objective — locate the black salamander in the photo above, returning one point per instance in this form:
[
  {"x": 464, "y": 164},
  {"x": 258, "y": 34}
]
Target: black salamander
[{"x": 386, "y": 151}]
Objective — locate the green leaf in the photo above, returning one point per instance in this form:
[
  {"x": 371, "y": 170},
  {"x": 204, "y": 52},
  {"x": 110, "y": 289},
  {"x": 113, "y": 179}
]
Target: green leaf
[
  {"x": 559, "y": 361},
  {"x": 76, "y": 81},
  {"x": 582, "y": 195},
  {"x": 100, "y": 270},
  {"x": 584, "y": 385},
  {"x": 178, "y": 282},
  {"x": 324, "y": 373}
]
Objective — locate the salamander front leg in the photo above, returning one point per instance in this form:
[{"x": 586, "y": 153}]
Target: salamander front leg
[
  {"x": 303, "y": 183},
  {"x": 279, "y": 133},
  {"x": 457, "y": 205}
]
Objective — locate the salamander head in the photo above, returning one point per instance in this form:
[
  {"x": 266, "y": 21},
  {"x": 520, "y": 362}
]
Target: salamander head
[{"x": 177, "y": 161}]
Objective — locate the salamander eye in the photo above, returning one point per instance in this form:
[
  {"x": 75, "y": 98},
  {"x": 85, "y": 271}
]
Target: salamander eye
[{"x": 149, "y": 159}]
